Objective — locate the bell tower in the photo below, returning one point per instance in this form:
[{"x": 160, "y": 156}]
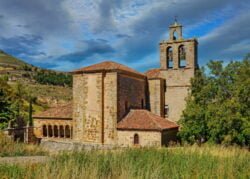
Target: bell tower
[{"x": 178, "y": 59}]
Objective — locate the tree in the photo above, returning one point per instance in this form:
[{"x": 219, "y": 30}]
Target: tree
[
  {"x": 218, "y": 105},
  {"x": 6, "y": 112}
]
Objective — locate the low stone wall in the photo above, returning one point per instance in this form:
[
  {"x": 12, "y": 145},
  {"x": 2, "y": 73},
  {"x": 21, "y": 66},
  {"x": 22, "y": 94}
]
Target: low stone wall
[{"x": 57, "y": 146}]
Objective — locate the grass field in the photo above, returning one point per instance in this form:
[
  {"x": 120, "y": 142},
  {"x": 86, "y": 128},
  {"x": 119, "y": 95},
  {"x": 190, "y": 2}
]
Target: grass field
[{"x": 177, "y": 162}]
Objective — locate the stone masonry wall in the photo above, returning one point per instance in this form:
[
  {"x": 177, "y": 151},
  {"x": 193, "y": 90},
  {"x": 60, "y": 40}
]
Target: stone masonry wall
[
  {"x": 79, "y": 102},
  {"x": 156, "y": 96},
  {"x": 178, "y": 79},
  {"x": 92, "y": 120},
  {"x": 131, "y": 90},
  {"x": 38, "y": 123},
  {"x": 146, "y": 138},
  {"x": 110, "y": 108}
]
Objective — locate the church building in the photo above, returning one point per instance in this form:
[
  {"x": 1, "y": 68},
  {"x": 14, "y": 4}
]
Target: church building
[{"x": 116, "y": 105}]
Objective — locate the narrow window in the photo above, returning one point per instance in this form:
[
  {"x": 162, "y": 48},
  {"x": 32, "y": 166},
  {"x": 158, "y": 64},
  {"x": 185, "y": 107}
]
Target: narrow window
[
  {"x": 61, "y": 131},
  {"x": 142, "y": 103},
  {"x": 182, "y": 57},
  {"x": 67, "y": 132},
  {"x": 169, "y": 57},
  {"x": 45, "y": 131},
  {"x": 50, "y": 131},
  {"x": 126, "y": 106},
  {"x": 166, "y": 110},
  {"x": 55, "y": 131},
  {"x": 136, "y": 139}
]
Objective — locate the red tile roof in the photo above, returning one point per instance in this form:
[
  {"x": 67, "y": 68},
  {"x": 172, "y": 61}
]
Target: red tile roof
[
  {"x": 142, "y": 119},
  {"x": 107, "y": 66},
  {"x": 65, "y": 111},
  {"x": 153, "y": 73}
]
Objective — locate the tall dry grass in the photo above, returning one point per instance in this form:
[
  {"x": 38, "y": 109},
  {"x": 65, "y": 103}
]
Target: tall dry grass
[
  {"x": 179, "y": 162},
  {"x": 11, "y": 148}
]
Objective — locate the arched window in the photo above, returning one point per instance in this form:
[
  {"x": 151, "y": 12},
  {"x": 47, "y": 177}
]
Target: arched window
[
  {"x": 45, "y": 131},
  {"x": 182, "y": 57},
  {"x": 50, "y": 131},
  {"x": 55, "y": 131},
  {"x": 67, "y": 132},
  {"x": 136, "y": 139},
  {"x": 175, "y": 35},
  {"x": 169, "y": 57},
  {"x": 61, "y": 129}
]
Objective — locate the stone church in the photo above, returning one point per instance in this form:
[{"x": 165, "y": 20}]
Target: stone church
[{"x": 118, "y": 106}]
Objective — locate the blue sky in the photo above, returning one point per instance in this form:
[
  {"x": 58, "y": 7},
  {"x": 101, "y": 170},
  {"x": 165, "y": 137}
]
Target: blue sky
[{"x": 68, "y": 34}]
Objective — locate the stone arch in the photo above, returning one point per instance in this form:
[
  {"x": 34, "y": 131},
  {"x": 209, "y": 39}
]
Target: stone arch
[
  {"x": 170, "y": 57},
  {"x": 67, "y": 131},
  {"x": 50, "y": 131},
  {"x": 182, "y": 56},
  {"x": 45, "y": 132},
  {"x": 61, "y": 131},
  {"x": 56, "y": 131},
  {"x": 136, "y": 139},
  {"x": 175, "y": 35}
]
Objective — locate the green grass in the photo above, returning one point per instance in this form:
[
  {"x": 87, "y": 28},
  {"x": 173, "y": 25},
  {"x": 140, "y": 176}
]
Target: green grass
[{"x": 180, "y": 162}]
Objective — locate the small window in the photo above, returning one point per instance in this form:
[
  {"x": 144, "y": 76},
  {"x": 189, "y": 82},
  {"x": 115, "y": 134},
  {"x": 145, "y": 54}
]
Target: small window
[
  {"x": 166, "y": 110},
  {"x": 142, "y": 103},
  {"x": 136, "y": 139},
  {"x": 50, "y": 131},
  {"x": 67, "y": 131},
  {"x": 170, "y": 57},
  {"x": 61, "y": 131},
  {"x": 126, "y": 106},
  {"x": 45, "y": 131},
  {"x": 55, "y": 131}
]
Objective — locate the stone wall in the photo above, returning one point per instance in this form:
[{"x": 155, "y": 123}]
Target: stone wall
[
  {"x": 131, "y": 90},
  {"x": 177, "y": 79},
  {"x": 146, "y": 138},
  {"x": 79, "y": 102},
  {"x": 95, "y": 107},
  {"x": 190, "y": 48},
  {"x": 156, "y": 96},
  {"x": 110, "y": 108},
  {"x": 92, "y": 120},
  {"x": 40, "y": 123}
]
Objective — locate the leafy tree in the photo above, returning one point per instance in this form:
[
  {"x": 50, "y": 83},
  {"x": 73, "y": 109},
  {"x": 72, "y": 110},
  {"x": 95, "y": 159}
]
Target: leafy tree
[
  {"x": 53, "y": 78},
  {"x": 6, "y": 112},
  {"x": 218, "y": 106}
]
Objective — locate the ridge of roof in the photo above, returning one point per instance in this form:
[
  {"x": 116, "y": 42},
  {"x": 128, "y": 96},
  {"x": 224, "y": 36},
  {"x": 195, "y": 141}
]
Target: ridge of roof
[
  {"x": 154, "y": 73},
  {"x": 142, "y": 119},
  {"x": 107, "y": 66},
  {"x": 64, "y": 111}
]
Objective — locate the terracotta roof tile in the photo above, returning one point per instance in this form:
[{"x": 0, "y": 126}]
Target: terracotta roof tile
[
  {"x": 65, "y": 111},
  {"x": 153, "y": 73},
  {"x": 107, "y": 66},
  {"x": 141, "y": 119}
]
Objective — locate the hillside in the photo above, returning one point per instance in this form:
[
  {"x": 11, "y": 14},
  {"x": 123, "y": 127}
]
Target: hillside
[
  {"x": 7, "y": 60},
  {"x": 49, "y": 87}
]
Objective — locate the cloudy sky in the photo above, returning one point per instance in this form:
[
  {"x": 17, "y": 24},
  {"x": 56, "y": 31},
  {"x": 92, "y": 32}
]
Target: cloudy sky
[{"x": 68, "y": 34}]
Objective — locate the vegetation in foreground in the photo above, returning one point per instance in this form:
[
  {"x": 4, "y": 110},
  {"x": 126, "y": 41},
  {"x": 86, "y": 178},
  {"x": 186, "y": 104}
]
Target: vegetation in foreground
[
  {"x": 179, "y": 162},
  {"x": 10, "y": 148},
  {"x": 218, "y": 107}
]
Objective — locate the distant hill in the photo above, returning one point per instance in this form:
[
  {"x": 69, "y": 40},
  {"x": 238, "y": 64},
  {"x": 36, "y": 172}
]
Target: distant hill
[
  {"x": 49, "y": 86},
  {"x": 6, "y": 59}
]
